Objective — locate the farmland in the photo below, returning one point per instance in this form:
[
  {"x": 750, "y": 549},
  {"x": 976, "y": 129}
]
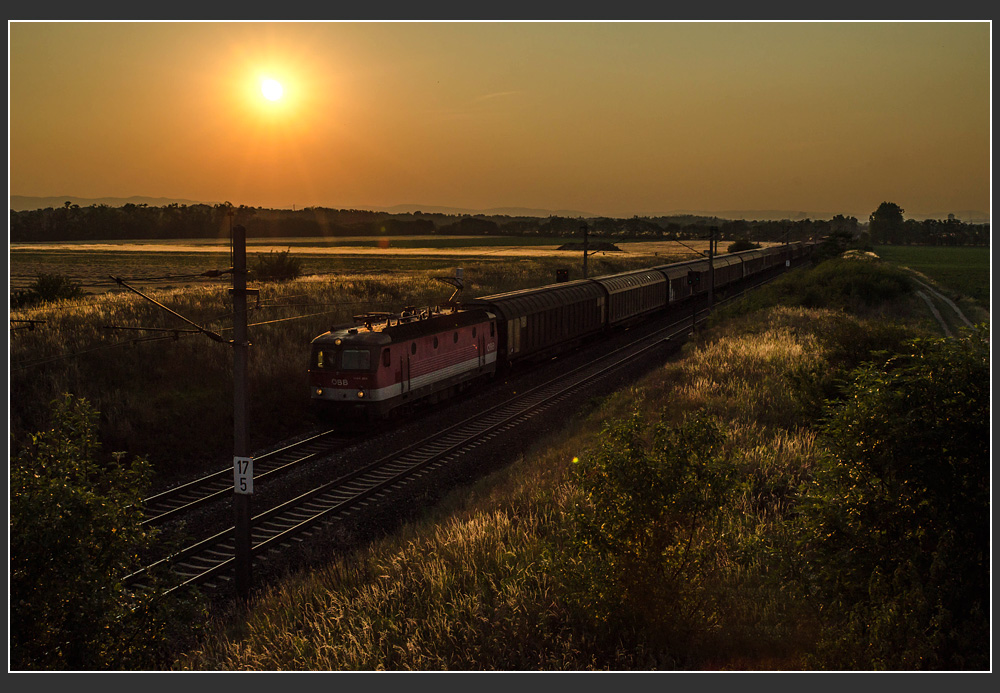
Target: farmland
[
  {"x": 146, "y": 391},
  {"x": 169, "y": 398},
  {"x": 964, "y": 270},
  {"x": 506, "y": 560},
  {"x": 91, "y": 263}
]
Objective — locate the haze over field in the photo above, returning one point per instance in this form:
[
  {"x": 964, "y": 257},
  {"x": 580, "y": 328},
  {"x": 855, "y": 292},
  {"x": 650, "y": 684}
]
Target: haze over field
[{"x": 615, "y": 119}]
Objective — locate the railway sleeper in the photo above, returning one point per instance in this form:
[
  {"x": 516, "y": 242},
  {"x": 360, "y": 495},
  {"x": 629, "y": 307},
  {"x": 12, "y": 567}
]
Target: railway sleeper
[{"x": 219, "y": 556}]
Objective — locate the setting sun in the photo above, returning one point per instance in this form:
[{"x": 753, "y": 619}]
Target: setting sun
[
  {"x": 271, "y": 89},
  {"x": 812, "y": 134}
]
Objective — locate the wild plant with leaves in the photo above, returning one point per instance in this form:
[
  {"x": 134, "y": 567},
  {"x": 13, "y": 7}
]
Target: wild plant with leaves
[
  {"x": 897, "y": 520},
  {"x": 75, "y": 534},
  {"x": 648, "y": 527}
]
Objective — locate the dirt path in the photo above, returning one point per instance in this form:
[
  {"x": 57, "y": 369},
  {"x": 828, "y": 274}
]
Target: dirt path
[
  {"x": 936, "y": 314},
  {"x": 944, "y": 299}
]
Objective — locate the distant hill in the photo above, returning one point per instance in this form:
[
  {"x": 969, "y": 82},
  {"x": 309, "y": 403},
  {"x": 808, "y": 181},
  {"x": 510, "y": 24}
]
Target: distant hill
[
  {"x": 967, "y": 216},
  {"x": 760, "y": 215},
  {"x": 492, "y": 212},
  {"x": 764, "y": 214},
  {"x": 21, "y": 203}
]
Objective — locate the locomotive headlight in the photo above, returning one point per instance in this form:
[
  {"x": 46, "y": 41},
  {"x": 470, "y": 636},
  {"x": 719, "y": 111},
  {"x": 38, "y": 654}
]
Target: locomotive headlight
[
  {"x": 361, "y": 394},
  {"x": 319, "y": 392}
]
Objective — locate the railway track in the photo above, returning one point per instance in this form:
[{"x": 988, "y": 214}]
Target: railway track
[
  {"x": 210, "y": 562},
  {"x": 180, "y": 500}
]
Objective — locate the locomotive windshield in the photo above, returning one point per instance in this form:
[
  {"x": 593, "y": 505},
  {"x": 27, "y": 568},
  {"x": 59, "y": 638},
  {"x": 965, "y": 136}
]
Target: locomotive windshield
[
  {"x": 355, "y": 359},
  {"x": 332, "y": 358}
]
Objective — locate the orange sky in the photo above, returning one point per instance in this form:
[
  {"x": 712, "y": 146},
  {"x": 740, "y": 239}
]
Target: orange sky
[{"x": 608, "y": 118}]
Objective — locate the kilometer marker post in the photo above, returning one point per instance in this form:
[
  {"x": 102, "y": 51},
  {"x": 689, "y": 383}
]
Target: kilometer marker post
[{"x": 242, "y": 462}]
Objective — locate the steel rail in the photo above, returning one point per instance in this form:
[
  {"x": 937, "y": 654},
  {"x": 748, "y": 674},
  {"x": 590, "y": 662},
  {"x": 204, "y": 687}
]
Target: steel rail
[
  {"x": 176, "y": 501},
  {"x": 214, "y": 556}
]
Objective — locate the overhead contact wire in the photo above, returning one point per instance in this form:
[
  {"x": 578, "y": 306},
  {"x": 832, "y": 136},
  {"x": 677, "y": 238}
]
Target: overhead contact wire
[{"x": 208, "y": 333}]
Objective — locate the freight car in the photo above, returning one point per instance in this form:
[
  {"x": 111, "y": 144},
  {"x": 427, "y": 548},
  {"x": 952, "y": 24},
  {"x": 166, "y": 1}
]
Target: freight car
[
  {"x": 633, "y": 295},
  {"x": 384, "y": 362},
  {"x": 535, "y": 323}
]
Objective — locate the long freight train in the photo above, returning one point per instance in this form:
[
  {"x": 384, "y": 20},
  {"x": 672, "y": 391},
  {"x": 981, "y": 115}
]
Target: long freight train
[{"x": 386, "y": 361}]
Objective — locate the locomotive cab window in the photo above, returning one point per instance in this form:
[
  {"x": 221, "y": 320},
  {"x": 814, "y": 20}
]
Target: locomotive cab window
[
  {"x": 386, "y": 358},
  {"x": 355, "y": 359},
  {"x": 455, "y": 338}
]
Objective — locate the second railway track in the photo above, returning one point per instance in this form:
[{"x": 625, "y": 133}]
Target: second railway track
[
  {"x": 211, "y": 560},
  {"x": 176, "y": 502}
]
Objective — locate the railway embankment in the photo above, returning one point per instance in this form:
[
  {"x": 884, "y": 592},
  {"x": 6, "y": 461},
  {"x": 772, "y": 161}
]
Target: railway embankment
[
  {"x": 794, "y": 490},
  {"x": 803, "y": 486}
]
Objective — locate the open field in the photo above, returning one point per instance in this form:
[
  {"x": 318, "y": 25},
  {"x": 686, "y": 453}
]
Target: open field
[
  {"x": 172, "y": 264},
  {"x": 162, "y": 398},
  {"x": 510, "y": 560},
  {"x": 725, "y": 568},
  {"x": 308, "y": 243},
  {"x": 961, "y": 269}
]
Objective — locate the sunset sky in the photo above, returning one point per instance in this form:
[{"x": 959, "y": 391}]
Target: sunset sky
[{"x": 615, "y": 118}]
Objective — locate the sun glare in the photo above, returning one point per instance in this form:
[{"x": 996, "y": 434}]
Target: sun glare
[{"x": 271, "y": 89}]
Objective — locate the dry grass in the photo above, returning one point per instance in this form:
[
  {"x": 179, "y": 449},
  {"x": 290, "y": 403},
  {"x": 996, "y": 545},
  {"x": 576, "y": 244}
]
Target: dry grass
[
  {"x": 486, "y": 581},
  {"x": 439, "y": 602},
  {"x": 171, "y": 400},
  {"x": 173, "y": 265},
  {"x": 467, "y": 590}
]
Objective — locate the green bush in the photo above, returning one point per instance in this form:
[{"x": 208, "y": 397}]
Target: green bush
[
  {"x": 277, "y": 266},
  {"x": 45, "y": 289},
  {"x": 75, "y": 534},
  {"x": 646, "y": 539},
  {"x": 741, "y": 244},
  {"x": 897, "y": 520},
  {"x": 839, "y": 283}
]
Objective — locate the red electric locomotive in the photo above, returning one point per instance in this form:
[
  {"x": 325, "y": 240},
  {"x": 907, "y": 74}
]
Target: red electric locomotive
[
  {"x": 384, "y": 362},
  {"x": 364, "y": 372}
]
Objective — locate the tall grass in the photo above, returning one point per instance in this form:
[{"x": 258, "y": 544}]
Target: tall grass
[
  {"x": 172, "y": 399},
  {"x": 498, "y": 575},
  {"x": 465, "y": 597},
  {"x": 851, "y": 283},
  {"x": 501, "y": 575}
]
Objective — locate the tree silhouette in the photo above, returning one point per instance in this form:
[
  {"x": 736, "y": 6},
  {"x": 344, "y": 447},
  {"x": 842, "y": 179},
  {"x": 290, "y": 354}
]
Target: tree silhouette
[{"x": 886, "y": 222}]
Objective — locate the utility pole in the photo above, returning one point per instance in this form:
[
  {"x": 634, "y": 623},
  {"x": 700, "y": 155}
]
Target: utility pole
[
  {"x": 242, "y": 462},
  {"x": 586, "y": 247},
  {"x": 693, "y": 282},
  {"x": 712, "y": 231}
]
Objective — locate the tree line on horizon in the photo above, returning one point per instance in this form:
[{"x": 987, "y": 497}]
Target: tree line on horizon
[{"x": 72, "y": 222}]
